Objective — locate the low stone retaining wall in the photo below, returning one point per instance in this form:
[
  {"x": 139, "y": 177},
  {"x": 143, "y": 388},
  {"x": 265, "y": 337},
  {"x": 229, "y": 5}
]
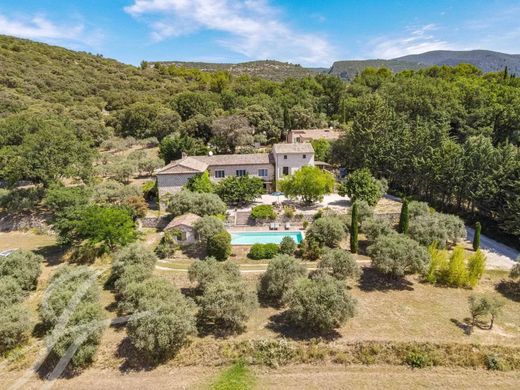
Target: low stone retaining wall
[
  {"x": 23, "y": 221},
  {"x": 154, "y": 222}
]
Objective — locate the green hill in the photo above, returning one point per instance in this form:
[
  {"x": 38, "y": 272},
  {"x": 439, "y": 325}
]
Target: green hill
[{"x": 267, "y": 69}]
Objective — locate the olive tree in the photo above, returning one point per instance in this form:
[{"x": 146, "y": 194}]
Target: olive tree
[
  {"x": 10, "y": 292},
  {"x": 207, "y": 271},
  {"x": 319, "y": 305},
  {"x": 226, "y": 306},
  {"x": 340, "y": 264},
  {"x": 398, "y": 255},
  {"x": 24, "y": 267},
  {"x": 207, "y": 227},
  {"x": 194, "y": 202},
  {"x": 287, "y": 246},
  {"x": 161, "y": 325},
  {"x": 281, "y": 273},
  {"x": 15, "y": 326},
  {"x": 133, "y": 254},
  {"x": 327, "y": 231}
]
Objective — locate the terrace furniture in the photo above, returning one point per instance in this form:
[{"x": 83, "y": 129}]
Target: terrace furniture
[
  {"x": 287, "y": 226},
  {"x": 271, "y": 226},
  {"x": 276, "y": 226}
]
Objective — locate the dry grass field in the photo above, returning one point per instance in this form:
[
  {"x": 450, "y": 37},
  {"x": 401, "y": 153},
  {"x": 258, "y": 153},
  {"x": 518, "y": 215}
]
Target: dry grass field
[{"x": 404, "y": 311}]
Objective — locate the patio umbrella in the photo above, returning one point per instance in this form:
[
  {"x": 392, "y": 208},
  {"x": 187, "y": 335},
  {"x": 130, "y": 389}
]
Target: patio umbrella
[{"x": 277, "y": 194}]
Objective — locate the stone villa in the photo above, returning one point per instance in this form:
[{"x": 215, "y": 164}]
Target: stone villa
[{"x": 284, "y": 159}]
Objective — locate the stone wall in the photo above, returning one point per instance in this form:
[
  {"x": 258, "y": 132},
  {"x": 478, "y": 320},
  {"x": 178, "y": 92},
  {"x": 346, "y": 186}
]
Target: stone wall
[
  {"x": 154, "y": 222},
  {"x": 23, "y": 221}
]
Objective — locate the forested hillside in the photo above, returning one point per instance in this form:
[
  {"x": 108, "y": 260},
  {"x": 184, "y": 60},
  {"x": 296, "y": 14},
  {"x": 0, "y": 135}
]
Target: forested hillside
[{"x": 449, "y": 135}]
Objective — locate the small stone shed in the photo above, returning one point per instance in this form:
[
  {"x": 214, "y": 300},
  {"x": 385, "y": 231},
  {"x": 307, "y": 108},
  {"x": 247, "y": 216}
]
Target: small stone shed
[{"x": 184, "y": 224}]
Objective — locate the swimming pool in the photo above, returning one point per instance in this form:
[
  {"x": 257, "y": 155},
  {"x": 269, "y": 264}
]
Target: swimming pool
[{"x": 250, "y": 238}]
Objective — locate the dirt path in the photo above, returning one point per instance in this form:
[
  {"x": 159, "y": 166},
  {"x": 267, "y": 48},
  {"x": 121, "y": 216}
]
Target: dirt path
[{"x": 498, "y": 255}]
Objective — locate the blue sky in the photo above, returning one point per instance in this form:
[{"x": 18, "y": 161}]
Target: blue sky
[{"x": 312, "y": 33}]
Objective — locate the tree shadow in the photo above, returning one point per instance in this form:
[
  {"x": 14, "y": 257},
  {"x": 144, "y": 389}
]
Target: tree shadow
[
  {"x": 279, "y": 323},
  {"x": 133, "y": 358},
  {"x": 465, "y": 325},
  {"x": 194, "y": 251},
  {"x": 53, "y": 254},
  {"x": 509, "y": 289},
  {"x": 373, "y": 280}
]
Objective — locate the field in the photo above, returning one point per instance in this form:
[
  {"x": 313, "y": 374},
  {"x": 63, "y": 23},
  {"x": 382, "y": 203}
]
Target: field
[{"x": 388, "y": 312}]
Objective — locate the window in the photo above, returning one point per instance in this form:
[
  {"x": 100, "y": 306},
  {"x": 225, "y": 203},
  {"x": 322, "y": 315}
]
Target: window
[
  {"x": 241, "y": 172},
  {"x": 304, "y": 156},
  {"x": 285, "y": 171},
  {"x": 262, "y": 172},
  {"x": 285, "y": 157},
  {"x": 219, "y": 174}
]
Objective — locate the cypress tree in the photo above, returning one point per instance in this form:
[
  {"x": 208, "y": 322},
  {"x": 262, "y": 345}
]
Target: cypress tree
[
  {"x": 476, "y": 238},
  {"x": 404, "y": 218},
  {"x": 354, "y": 228}
]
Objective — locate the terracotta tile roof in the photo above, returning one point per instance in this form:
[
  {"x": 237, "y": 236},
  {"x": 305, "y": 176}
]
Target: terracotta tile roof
[
  {"x": 188, "y": 219},
  {"x": 236, "y": 159},
  {"x": 330, "y": 134},
  {"x": 184, "y": 165},
  {"x": 293, "y": 148}
]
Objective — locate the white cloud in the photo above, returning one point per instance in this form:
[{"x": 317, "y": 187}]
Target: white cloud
[
  {"x": 41, "y": 28},
  {"x": 418, "y": 40},
  {"x": 252, "y": 28}
]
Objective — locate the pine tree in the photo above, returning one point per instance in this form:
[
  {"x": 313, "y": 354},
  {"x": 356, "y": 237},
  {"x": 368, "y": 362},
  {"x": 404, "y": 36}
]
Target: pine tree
[
  {"x": 404, "y": 218},
  {"x": 476, "y": 238},
  {"x": 354, "y": 228}
]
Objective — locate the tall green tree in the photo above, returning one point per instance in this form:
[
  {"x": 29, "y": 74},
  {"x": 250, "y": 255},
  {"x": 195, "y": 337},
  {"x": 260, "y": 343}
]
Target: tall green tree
[
  {"x": 404, "y": 218},
  {"x": 308, "y": 183},
  {"x": 354, "y": 227}
]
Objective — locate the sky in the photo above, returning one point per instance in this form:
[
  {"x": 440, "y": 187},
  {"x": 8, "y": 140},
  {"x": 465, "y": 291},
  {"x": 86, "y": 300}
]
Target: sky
[{"x": 307, "y": 32}]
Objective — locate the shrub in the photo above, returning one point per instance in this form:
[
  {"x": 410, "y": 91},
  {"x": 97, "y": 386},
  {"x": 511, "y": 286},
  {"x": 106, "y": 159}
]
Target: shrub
[
  {"x": 438, "y": 268},
  {"x": 417, "y": 209},
  {"x": 427, "y": 229},
  {"x": 150, "y": 190},
  {"x": 226, "y": 306},
  {"x": 14, "y": 327},
  {"x": 10, "y": 292},
  {"x": 375, "y": 227},
  {"x": 281, "y": 273},
  {"x": 263, "y": 251},
  {"x": 24, "y": 266},
  {"x": 219, "y": 246},
  {"x": 136, "y": 205},
  {"x": 327, "y": 231},
  {"x": 197, "y": 203},
  {"x": 398, "y": 255},
  {"x": 287, "y": 246},
  {"x": 319, "y": 305},
  {"x": 208, "y": 226},
  {"x": 167, "y": 245},
  {"x": 133, "y": 254},
  {"x": 289, "y": 211},
  {"x": 163, "y": 326},
  {"x": 207, "y": 271},
  {"x": 476, "y": 267},
  {"x": 494, "y": 363},
  {"x": 340, "y": 264},
  {"x": 263, "y": 212},
  {"x": 457, "y": 271},
  {"x": 311, "y": 249},
  {"x": 417, "y": 360}
]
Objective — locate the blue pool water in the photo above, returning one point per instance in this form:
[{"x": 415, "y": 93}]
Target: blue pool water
[{"x": 250, "y": 238}]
